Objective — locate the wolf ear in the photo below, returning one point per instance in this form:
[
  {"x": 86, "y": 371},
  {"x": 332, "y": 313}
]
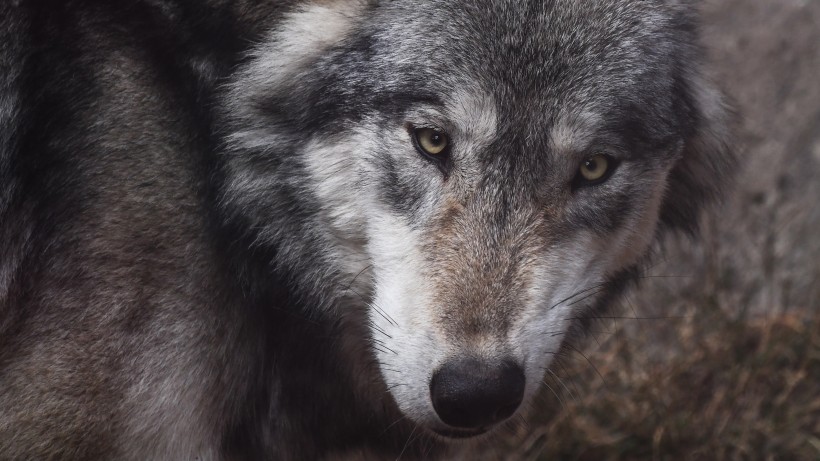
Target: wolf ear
[{"x": 707, "y": 164}]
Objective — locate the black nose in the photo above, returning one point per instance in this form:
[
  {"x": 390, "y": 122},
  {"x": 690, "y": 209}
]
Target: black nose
[{"x": 473, "y": 394}]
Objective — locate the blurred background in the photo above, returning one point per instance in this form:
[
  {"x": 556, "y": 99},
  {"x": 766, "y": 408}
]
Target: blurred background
[{"x": 717, "y": 355}]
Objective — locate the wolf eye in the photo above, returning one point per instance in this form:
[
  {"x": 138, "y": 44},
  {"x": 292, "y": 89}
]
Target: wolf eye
[
  {"x": 595, "y": 170},
  {"x": 431, "y": 142}
]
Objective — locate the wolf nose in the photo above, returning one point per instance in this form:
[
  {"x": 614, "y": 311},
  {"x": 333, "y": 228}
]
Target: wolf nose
[{"x": 471, "y": 394}]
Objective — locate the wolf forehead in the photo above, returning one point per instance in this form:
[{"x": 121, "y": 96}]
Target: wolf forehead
[{"x": 540, "y": 62}]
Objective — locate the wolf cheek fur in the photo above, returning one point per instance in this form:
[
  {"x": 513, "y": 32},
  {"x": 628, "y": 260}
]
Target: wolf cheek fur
[{"x": 283, "y": 271}]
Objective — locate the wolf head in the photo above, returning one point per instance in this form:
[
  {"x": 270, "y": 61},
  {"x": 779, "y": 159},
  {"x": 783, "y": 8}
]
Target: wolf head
[{"x": 484, "y": 174}]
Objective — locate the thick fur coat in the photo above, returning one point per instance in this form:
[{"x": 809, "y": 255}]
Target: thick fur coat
[{"x": 223, "y": 233}]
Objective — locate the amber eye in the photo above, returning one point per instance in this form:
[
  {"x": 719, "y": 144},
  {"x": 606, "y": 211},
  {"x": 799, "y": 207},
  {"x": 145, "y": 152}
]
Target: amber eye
[
  {"x": 430, "y": 141},
  {"x": 595, "y": 169}
]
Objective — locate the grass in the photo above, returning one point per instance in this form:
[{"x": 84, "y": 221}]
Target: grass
[{"x": 698, "y": 387}]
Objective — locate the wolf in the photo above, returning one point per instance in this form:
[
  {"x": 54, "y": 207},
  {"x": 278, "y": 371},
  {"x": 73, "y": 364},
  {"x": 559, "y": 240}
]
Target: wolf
[{"x": 327, "y": 229}]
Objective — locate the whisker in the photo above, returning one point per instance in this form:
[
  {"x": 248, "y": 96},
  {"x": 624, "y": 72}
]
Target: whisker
[
  {"x": 672, "y": 317},
  {"x": 587, "y": 296},
  {"x": 383, "y": 314},
  {"x": 588, "y": 361},
  {"x": 631, "y": 306},
  {"x": 379, "y": 329},
  {"x": 428, "y": 449},
  {"x": 561, "y": 382},
  {"x": 378, "y": 348},
  {"x": 381, "y": 343},
  {"x": 574, "y": 385},
  {"x": 375, "y": 306},
  {"x": 554, "y": 393},
  {"x": 407, "y": 444},
  {"x": 369, "y": 266},
  {"x": 648, "y": 276},
  {"x": 554, "y": 333},
  {"x": 524, "y": 423},
  {"x": 402, "y": 418},
  {"x": 576, "y": 294}
]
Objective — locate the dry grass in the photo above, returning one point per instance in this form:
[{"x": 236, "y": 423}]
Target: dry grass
[
  {"x": 705, "y": 387},
  {"x": 722, "y": 389}
]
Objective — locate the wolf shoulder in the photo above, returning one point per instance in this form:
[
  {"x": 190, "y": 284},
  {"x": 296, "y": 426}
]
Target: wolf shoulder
[{"x": 111, "y": 290}]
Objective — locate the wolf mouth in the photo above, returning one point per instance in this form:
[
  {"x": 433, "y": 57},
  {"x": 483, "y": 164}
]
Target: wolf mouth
[{"x": 460, "y": 433}]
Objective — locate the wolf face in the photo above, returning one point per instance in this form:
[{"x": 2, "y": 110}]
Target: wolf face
[{"x": 482, "y": 175}]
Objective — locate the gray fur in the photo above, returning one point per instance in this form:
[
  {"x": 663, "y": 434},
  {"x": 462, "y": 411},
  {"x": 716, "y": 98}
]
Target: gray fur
[{"x": 219, "y": 242}]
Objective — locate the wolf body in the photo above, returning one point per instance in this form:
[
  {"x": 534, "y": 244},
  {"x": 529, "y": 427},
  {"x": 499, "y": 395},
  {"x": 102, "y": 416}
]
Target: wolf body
[{"x": 222, "y": 238}]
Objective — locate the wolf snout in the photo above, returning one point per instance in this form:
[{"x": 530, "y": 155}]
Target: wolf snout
[{"x": 476, "y": 394}]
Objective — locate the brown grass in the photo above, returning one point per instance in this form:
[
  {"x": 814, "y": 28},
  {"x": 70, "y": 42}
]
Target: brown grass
[{"x": 700, "y": 387}]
